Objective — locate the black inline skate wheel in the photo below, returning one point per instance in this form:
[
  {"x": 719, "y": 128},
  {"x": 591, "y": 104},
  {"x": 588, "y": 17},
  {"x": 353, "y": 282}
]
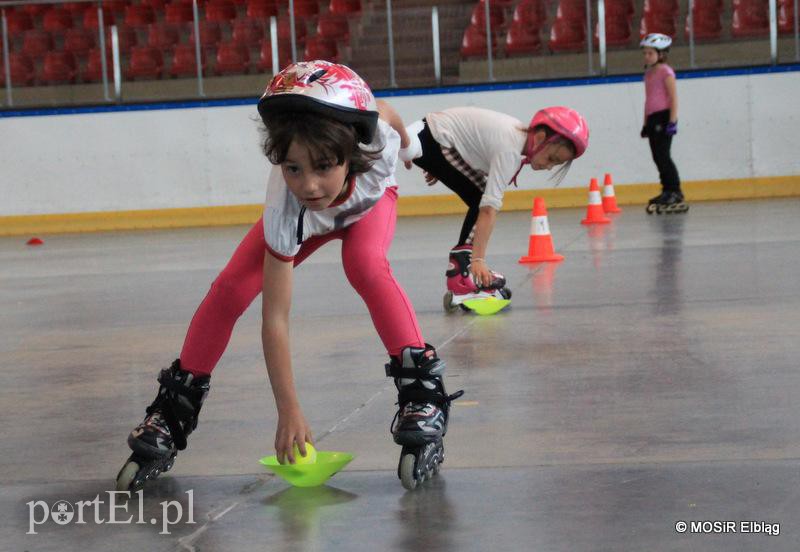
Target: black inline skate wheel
[{"x": 652, "y": 208}]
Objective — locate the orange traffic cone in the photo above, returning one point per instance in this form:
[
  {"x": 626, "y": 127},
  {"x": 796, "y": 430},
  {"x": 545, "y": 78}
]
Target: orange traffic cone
[
  {"x": 609, "y": 199},
  {"x": 34, "y": 241},
  {"x": 594, "y": 213},
  {"x": 540, "y": 243}
]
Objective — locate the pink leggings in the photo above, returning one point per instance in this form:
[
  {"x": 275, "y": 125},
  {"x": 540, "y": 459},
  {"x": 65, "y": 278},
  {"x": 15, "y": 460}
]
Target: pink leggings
[{"x": 364, "y": 247}]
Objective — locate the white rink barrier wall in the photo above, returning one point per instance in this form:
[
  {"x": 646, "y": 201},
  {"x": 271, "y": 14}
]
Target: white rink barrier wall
[{"x": 732, "y": 130}]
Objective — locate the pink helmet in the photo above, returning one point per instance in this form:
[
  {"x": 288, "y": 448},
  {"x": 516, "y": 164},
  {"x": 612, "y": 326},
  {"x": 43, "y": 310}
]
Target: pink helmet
[
  {"x": 330, "y": 89},
  {"x": 565, "y": 122}
]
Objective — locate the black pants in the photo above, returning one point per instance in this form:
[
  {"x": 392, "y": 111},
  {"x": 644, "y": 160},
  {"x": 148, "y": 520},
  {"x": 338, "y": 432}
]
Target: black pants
[
  {"x": 660, "y": 144},
  {"x": 435, "y": 163}
]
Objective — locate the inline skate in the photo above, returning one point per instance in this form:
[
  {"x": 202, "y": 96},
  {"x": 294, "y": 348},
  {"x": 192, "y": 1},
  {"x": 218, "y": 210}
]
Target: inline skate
[
  {"x": 667, "y": 203},
  {"x": 168, "y": 421},
  {"x": 420, "y": 423},
  {"x": 461, "y": 286}
]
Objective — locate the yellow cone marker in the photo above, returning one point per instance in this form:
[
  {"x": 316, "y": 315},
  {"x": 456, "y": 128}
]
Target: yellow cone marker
[{"x": 487, "y": 306}]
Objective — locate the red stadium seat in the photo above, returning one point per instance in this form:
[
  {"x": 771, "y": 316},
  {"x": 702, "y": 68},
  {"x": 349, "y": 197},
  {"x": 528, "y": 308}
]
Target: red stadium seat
[
  {"x": 91, "y": 18},
  {"x": 232, "y": 59},
  {"x": 157, "y": 5},
  {"x": 18, "y": 22},
  {"x": 59, "y": 68},
  {"x": 496, "y": 15},
  {"x": 306, "y": 8},
  {"x": 318, "y": 47},
  {"x": 663, "y": 7},
  {"x": 94, "y": 66},
  {"x": 474, "y": 42},
  {"x": 573, "y": 11},
  {"x": 709, "y": 5},
  {"x": 145, "y": 62},
  {"x": 220, "y": 11},
  {"x": 285, "y": 31},
  {"x": 79, "y": 41},
  {"x": 345, "y": 7},
  {"x": 127, "y": 38},
  {"x": 36, "y": 43},
  {"x": 532, "y": 13},
  {"x": 138, "y": 15},
  {"x": 116, "y": 6},
  {"x": 333, "y": 27},
  {"x": 56, "y": 20},
  {"x": 620, "y": 7},
  {"x": 657, "y": 23},
  {"x": 22, "y": 69},
  {"x": 707, "y": 23},
  {"x": 75, "y": 8},
  {"x": 265, "y": 59},
  {"x": 261, "y": 9},
  {"x": 523, "y": 39},
  {"x": 786, "y": 18},
  {"x": 566, "y": 36},
  {"x": 248, "y": 32},
  {"x": 34, "y": 10},
  {"x": 750, "y": 18},
  {"x": 163, "y": 35},
  {"x": 178, "y": 12},
  {"x": 184, "y": 61},
  {"x": 618, "y": 30},
  {"x": 210, "y": 34}
]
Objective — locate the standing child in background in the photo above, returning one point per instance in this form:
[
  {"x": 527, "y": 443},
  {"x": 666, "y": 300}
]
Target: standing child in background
[
  {"x": 661, "y": 122},
  {"x": 477, "y": 153},
  {"x": 334, "y": 151}
]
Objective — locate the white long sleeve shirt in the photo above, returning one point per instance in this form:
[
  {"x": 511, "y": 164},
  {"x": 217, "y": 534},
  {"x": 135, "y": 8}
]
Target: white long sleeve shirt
[{"x": 487, "y": 140}]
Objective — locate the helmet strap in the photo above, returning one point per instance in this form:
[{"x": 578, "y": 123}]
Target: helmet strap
[{"x": 531, "y": 150}]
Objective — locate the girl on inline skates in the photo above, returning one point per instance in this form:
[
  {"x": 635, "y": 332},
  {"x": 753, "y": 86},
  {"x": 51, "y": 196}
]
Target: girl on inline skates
[
  {"x": 661, "y": 122},
  {"x": 334, "y": 151},
  {"x": 477, "y": 153}
]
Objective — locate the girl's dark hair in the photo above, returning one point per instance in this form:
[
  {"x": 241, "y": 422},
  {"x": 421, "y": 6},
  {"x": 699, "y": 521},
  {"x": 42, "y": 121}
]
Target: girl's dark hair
[
  {"x": 327, "y": 140},
  {"x": 560, "y": 140}
]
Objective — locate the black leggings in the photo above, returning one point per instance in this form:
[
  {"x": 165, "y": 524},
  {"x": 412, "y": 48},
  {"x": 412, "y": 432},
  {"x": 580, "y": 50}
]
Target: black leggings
[
  {"x": 434, "y": 162},
  {"x": 660, "y": 144}
]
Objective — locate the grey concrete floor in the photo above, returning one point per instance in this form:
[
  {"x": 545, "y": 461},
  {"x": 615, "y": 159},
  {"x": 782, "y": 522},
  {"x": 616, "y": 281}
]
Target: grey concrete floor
[{"x": 650, "y": 378}]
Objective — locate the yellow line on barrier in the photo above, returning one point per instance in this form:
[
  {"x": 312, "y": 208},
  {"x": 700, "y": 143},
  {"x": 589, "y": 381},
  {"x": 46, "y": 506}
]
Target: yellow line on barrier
[{"x": 515, "y": 200}]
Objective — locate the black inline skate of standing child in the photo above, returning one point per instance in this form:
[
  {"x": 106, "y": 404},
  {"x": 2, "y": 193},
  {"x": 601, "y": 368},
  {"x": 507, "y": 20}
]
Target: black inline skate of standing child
[
  {"x": 661, "y": 122},
  {"x": 421, "y": 420},
  {"x": 168, "y": 421},
  {"x": 667, "y": 203}
]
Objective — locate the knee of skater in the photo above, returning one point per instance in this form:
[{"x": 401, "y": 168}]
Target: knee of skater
[
  {"x": 228, "y": 292},
  {"x": 365, "y": 277}
]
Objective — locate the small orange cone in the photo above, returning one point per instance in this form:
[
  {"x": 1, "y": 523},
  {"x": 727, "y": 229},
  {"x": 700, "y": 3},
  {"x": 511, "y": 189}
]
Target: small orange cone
[
  {"x": 609, "y": 199},
  {"x": 540, "y": 243},
  {"x": 594, "y": 213},
  {"x": 34, "y": 241}
]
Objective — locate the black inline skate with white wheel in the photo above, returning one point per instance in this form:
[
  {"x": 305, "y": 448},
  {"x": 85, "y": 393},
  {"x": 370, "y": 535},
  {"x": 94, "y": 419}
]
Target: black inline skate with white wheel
[
  {"x": 421, "y": 420},
  {"x": 168, "y": 421},
  {"x": 667, "y": 203}
]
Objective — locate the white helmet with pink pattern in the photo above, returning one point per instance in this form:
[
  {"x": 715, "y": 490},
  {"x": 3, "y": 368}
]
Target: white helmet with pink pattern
[{"x": 330, "y": 89}]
